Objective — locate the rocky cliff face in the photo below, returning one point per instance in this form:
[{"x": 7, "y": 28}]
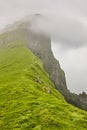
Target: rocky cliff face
[{"x": 41, "y": 46}]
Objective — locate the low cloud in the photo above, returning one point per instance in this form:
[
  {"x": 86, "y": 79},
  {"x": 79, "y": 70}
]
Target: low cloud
[
  {"x": 65, "y": 30},
  {"x": 65, "y": 20}
]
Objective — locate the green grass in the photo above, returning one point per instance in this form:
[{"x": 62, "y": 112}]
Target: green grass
[{"x": 28, "y": 99}]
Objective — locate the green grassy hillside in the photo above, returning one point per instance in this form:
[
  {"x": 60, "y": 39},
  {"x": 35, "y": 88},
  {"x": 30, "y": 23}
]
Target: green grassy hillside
[{"x": 28, "y": 99}]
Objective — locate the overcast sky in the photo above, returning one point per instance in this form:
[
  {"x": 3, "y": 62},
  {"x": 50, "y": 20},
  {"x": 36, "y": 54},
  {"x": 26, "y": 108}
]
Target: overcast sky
[{"x": 67, "y": 25}]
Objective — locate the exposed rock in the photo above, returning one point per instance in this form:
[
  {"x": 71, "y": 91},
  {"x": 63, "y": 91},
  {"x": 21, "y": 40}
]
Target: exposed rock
[
  {"x": 41, "y": 46},
  {"x": 77, "y": 100},
  {"x": 38, "y": 80},
  {"x": 47, "y": 89}
]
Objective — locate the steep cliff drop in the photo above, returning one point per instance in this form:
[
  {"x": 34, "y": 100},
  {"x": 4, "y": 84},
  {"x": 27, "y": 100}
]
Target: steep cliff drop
[{"x": 41, "y": 46}]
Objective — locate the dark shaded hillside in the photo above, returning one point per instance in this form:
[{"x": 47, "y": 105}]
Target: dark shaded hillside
[{"x": 77, "y": 100}]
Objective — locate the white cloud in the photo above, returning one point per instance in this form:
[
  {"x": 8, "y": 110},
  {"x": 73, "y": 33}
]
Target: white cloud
[{"x": 67, "y": 30}]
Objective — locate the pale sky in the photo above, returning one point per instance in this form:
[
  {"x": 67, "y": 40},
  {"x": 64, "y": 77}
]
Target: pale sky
[{"x": 67, "y": 25}]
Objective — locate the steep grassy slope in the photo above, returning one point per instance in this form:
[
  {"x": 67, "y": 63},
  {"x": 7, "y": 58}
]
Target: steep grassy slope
[{"x": 28, "y": 99}]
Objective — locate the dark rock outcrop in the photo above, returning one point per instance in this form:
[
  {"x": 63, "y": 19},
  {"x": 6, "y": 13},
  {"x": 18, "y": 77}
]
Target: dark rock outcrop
[{"x": 77, "y": 100}]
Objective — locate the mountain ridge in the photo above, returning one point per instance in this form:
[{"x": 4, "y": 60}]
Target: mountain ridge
[
  {"x": 28, "y": 99},
  {"x": 40, "y": 44}
]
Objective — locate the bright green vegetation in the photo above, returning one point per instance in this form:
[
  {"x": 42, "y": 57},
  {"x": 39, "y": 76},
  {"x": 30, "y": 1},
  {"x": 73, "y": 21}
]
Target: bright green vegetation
[{"x": 28, "y": 99}]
